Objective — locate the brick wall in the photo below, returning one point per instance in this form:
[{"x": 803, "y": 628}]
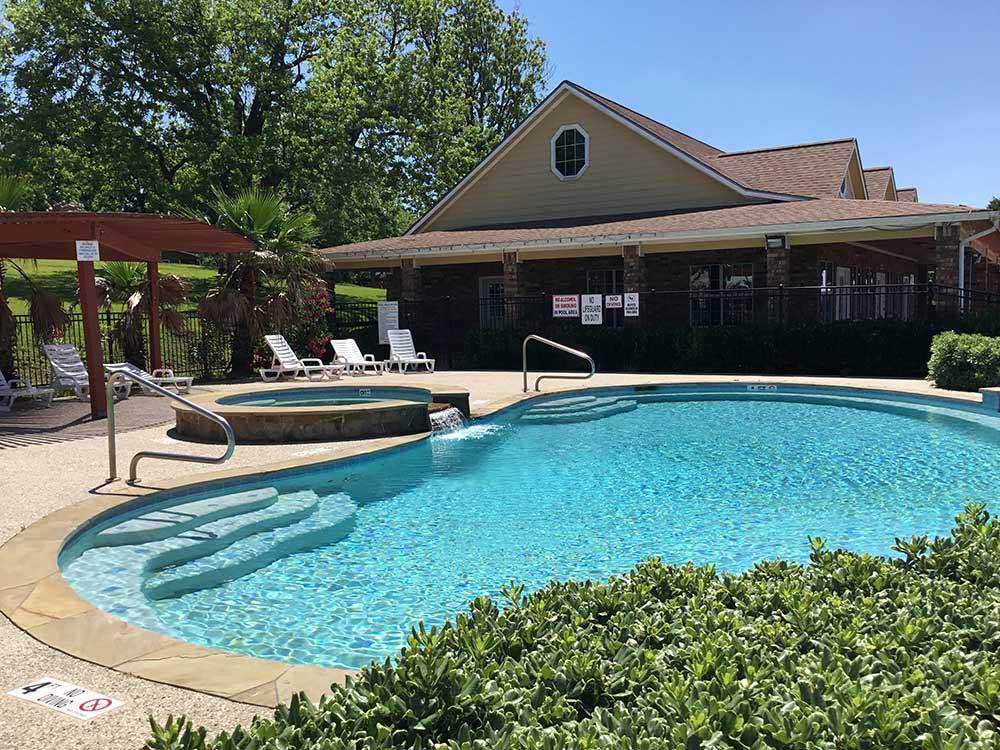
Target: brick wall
[
  {"x": 672, "y": 271},
  {"x": 566, "y": 275}
]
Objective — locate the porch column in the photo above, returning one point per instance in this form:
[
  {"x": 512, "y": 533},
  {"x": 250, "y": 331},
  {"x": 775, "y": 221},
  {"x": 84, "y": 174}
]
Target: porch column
[
  {"x": 513, "y": 275},
  {"x": 410, "y": 287},
  {"x": 92, "y": 338},
  {"x": 946, "y": 242},
  {"x": 777, "y": 271},
  {"x": 633, "y": 269},
  {"x": 777, "y": 267},
  {"x": 155, "y": 355}
]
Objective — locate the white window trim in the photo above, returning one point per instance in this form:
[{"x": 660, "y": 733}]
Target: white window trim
[{"x": 586, "y": 152}]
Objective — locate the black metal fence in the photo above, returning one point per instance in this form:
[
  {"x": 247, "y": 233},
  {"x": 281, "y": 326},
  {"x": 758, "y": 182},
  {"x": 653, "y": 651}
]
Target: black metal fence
[
  {"x": 199, "y": 349},
  {"x": 444, "y": 327},
  {"x": 441, "y": 325}
]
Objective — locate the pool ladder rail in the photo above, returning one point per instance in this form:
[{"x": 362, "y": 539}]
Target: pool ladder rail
[
  {"x": 560, "y": 347},
  {"x": 119, "y": 376}
]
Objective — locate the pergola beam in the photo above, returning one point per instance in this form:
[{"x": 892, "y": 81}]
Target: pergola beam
[{"x": 121, "y": 237}]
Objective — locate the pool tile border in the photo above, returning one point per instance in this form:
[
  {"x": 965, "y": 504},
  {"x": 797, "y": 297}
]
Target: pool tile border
[{"x": 36, "y": 598}]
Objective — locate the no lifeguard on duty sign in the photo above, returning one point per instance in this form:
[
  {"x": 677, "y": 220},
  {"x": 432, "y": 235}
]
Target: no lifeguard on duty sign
[{"x": 65, "y": 698}]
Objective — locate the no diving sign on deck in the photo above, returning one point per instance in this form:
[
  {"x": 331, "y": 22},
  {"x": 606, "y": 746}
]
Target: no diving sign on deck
[{"x": 65, "y": 698}]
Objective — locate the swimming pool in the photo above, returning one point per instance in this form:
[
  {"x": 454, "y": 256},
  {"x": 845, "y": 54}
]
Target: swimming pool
[
  {"x": 332, "y": 396},
  {"x": 333, "y": 566}
]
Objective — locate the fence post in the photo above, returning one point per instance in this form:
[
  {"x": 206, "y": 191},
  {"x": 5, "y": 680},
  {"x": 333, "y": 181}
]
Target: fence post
[{"x": 781, "y": 303}]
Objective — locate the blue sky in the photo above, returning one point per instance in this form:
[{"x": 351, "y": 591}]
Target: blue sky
[{"x": 917, "y": 83}]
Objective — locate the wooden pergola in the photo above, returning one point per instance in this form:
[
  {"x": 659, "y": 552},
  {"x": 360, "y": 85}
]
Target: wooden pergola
[{"x": 129, "y": 237}]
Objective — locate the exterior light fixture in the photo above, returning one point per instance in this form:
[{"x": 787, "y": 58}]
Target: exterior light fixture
[{"x": 776, "y": 242}]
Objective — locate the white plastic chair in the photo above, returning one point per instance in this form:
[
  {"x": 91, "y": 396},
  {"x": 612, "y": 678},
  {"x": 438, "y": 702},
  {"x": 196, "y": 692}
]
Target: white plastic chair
[
  {"x": 13, "y": 389},
  {"x": 403, "y": 354},
  {"x": 286, "y": 362},
  {"x": 162, "y": 377},
  {"x": 354, "y": 362},
  {"x": 68, "y": 371}
]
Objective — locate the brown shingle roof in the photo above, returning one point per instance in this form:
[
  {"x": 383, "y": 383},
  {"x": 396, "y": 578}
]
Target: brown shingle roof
[
  {"x": 698, "y": 149},
  {"x": 877, "y": 180},
  {"x": 907, "y": 195},
  {"x": 811, "y": 169},
  {"x": 758, "y": 215}
]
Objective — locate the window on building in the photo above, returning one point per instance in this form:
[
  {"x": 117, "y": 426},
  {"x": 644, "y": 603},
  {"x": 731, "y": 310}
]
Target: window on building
[
  {"x": 570, "y": 152},
  {"x": 721, "y": 294}
]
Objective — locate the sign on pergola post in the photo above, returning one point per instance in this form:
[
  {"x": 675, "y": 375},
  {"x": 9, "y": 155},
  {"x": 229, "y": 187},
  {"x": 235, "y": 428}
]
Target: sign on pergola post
[{"x": 89, "y": 237}]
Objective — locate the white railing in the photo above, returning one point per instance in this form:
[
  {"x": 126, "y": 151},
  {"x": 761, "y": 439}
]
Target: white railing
[
  {"x": 120, "y": 375},
  {"x": 560, "y": 347}
]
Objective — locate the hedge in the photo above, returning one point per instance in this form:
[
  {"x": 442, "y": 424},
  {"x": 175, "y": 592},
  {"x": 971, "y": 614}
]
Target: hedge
[
  {"x": 964, "y": 362},
  {"x": 849, "y": 651}
]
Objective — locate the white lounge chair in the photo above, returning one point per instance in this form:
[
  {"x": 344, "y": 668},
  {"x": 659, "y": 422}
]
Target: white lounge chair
[
  {"x": 162, "y": 377},
  {"x": 13, "y": 389},
  {"x": 285, "y": 362},
  {"x": 68, "y": 371},
  {"x": 403, "y": 354},
  {"x": 354, "y": 362}
]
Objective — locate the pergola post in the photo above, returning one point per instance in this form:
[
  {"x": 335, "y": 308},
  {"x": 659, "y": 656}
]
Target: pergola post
[
  {"x": 92, "y": 338},
  {"x": 155, "y": 354}
]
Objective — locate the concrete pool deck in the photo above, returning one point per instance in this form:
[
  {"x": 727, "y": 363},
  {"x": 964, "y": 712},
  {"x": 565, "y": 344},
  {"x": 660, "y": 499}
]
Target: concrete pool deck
[{"x": 64, "y": 483}]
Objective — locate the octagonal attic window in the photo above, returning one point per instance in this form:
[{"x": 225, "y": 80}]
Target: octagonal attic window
[{"x": 570, "y": 152}]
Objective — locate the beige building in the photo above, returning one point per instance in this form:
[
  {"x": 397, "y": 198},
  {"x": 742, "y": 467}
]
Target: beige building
[{"x": 587, "y": 196}]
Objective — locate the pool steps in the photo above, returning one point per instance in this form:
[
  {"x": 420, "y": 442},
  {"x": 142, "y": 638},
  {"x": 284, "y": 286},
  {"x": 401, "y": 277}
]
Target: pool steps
[
  {"x": 592, "y": 408},
  {"x": 579, "y": 409},
  {"x": 332, "y": 520},
  {"x": 167, "y": 522}
]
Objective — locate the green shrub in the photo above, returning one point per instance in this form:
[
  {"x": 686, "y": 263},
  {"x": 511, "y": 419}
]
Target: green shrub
[
  {"x": 964, "y": 362},
  {"x": 850, "y": 651}
]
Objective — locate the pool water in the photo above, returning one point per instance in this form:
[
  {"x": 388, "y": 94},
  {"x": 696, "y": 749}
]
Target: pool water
[
  {"x": 335, "y": 396},
  {"x": 569, "y": 488}
]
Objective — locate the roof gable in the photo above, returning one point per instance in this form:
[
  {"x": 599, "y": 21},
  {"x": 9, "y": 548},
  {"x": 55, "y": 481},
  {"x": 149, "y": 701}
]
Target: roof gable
[
  {"x": 881, "y": 183},
  {"x": 815, "y": 170},
  {"x": 907, "y": 195},
  {"x": 697, "y": 155}
]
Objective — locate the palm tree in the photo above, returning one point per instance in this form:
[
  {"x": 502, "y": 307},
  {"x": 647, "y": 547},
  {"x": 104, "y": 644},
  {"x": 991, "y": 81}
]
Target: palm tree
[
  {"x": 13, "y": 194},
  {"x": 265, "y": 288},
  {"x": 128, "y": 284}
]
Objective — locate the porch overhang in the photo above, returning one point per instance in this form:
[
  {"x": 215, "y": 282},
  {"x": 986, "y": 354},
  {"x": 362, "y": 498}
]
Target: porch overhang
[{"x": 465, "y": 249}]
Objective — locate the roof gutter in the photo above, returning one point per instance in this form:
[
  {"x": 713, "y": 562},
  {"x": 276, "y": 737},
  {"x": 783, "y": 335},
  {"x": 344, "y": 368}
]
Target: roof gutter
[{"x": 884, "y": 223}]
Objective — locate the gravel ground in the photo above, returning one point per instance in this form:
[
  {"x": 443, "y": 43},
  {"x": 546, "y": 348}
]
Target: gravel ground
[{"x": 38, "y": 479}]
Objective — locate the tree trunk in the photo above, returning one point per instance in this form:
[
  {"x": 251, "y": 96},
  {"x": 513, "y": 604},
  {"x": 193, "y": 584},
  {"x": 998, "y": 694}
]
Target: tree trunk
[{"x": 241, "y": 364}]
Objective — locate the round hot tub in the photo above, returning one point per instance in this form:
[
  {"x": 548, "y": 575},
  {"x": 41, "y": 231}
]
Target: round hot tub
[{"x": 306, "y": 412}]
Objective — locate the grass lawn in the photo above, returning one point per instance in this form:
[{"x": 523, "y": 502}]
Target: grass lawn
[{"x": 59, "y": 276}]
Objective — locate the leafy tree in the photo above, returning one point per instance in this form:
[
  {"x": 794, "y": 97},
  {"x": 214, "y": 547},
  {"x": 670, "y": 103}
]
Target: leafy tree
[
  {"x": 363, "y": 110},
  {"x": 994, "y": 205},
  {"x": 267, "y": 287}
]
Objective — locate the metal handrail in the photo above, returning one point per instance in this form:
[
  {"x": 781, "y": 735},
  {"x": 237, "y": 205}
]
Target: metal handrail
[
  {"x": 560, "y": 347},
  {"x": 118, "y": 376}
]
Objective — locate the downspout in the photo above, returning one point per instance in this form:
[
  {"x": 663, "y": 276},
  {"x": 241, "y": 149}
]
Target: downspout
[{"x": 961, "y": 258}]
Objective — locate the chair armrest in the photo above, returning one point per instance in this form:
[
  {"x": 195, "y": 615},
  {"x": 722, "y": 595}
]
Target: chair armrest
[
  {"x": 163, "y": 372},
  {"x": 18, "y": 383},
  {"x": 312, "y": 362},
  {"x": 369, "y": 358},
  {"x": 339, "y": 359},
  {"x": 421, "y": 355}
]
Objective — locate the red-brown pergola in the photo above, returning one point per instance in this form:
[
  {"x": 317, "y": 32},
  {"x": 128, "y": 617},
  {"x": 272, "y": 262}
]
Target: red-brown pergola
[{"x": 120, "y": 236}]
